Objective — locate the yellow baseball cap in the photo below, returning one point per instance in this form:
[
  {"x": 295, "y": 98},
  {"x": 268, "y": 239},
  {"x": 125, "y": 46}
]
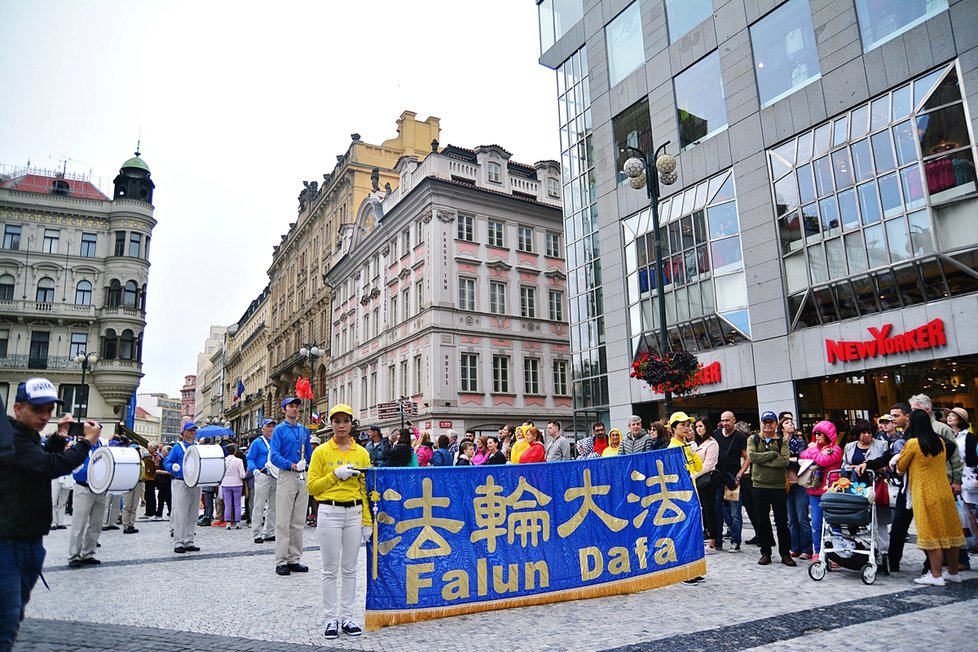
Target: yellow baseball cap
[
  {"x": 340, "y": 408},
  {"x": 679, "y": 416}
]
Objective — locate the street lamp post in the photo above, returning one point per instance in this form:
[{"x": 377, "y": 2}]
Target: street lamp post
[
  {"x": 87, "y": 361},
  {"x": 310, "y": 352},
  {"x": 641, "y": 173}
]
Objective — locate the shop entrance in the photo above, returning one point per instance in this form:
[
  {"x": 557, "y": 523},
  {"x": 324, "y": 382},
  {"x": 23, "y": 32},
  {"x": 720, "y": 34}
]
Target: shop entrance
[{"x": 742, "y": 402}]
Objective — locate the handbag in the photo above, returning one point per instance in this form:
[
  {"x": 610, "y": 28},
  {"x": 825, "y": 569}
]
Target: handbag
[
  {"x": 882, "y": 492},
  {"x": 704, "y": 481},
  {"x": 733, "y": 495},
  {"x": 812, "y": 478},
  {"x": 968, "y": 525}
]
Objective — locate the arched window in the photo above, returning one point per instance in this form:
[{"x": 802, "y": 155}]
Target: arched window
[
  {"x": 45, "y": 290},
  {"x": 6, "y": 287},
  {"x": 129, "y": 295},
  {"x": 142, "y": 302},
  {"x": 139, "y": 348},
  {"x": 110, "y": 345},
  {"x": 126, "y": 345},
  {"x": 115, "y": 294},
  {"x": 83, "y": 293}
]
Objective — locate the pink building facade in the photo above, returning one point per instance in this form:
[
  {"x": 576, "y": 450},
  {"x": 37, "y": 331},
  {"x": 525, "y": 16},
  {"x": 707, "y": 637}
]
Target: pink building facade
[
  {"x": 451, "y": 291},
  {"x": 188, "y": 401}
]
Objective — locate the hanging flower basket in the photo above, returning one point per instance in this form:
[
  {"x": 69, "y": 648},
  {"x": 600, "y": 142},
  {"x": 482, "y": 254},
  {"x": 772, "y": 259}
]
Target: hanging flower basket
[{"x": 678, "y": 373}]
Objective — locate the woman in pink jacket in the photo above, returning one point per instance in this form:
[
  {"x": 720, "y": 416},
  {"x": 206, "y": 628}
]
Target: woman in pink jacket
[{"x": 827, "y": 456}]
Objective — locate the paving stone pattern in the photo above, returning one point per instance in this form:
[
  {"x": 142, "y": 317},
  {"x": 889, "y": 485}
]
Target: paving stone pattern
[{"x": 227, "y": 597}]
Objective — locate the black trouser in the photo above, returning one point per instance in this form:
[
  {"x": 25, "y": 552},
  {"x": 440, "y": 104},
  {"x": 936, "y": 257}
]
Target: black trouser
[
  {"x": 165, "y": 497},
  {"x": 747, "y": 491},
  {"x": 150, "y": 497},
  {"x": 764, "y": 501},
  {"x": 902, "y": 517},
  {"x": 707, "y": 496}
]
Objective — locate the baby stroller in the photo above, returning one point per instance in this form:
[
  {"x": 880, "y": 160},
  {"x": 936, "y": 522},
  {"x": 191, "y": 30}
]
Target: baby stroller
[{"x": 848, "y": 532}]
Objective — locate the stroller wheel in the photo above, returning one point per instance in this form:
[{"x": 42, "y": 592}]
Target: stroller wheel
[
  {"x": 869, "y": 573},
  {"x": 817, "y": 571}
]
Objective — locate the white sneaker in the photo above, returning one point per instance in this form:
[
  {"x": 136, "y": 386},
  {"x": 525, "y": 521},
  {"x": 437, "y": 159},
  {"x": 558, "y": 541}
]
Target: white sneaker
[
  {"x": 709, "y": 551},
  {"x": 948, "y": 577},
  {"x": 929, "y": 580}
]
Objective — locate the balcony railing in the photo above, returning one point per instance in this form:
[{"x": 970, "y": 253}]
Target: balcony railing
[
  {"x": 122, "y": 311},
  {"x": 55, "y": 363},
  {"x": 45, "y": 308}
]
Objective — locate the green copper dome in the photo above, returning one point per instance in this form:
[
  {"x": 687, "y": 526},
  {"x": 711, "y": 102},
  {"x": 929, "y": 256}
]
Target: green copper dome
[{"x": 135, "y": 162}]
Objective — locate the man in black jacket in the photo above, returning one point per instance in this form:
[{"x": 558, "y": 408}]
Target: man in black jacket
[{"x": 25, "y": 494}]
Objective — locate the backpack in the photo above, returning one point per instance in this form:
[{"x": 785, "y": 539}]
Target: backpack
[{"x": 6, "y": 435}]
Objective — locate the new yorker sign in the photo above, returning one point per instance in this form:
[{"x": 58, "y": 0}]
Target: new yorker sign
[{"x": 884, "y": 342}]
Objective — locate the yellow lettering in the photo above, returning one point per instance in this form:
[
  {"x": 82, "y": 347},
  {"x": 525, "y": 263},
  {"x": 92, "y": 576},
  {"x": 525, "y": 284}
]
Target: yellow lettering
[
  {"x": 531, "y": 570},
  {"x": 642, "y": 551},
  {"x": 456, "y": 585},
  {"x": 665, "y": 551},
  {"x": 415, "y": 581},
  {"x": 512, "y": 583},
  {"x": 618, "y": 562},
  {"x": 482, "y": 577},
  {"x": 592, "y": 563}
]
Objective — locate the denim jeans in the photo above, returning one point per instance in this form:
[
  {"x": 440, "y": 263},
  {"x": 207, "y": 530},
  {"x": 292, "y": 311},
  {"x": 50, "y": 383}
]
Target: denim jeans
[
  {"x": 799, "y": 523},
  {"x": 815, "y": 502},
  {"x": 20, "y": 566},
  {"x": 728, "y": 513}
]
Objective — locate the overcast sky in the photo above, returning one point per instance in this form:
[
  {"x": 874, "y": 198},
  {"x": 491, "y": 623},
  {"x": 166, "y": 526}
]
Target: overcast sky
[{"x": 237, "y": 103}]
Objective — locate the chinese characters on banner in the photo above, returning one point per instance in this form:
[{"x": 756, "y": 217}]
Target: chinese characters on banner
[{"x": 463, "y": 540}]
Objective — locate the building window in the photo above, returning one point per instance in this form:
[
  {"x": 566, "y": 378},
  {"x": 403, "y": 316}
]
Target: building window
[
  {"x": 120, "y": 243},
  {"x": 50, "y": 242},
  {"x": 75, "y": 399},
  {"x": 560, "y": 378},
  {"x": 364, "y": 399},
  {"x": 406, "y": 242},
  {"x": 366, "y": 328},
  {"x": 528, "y": 301},
  {"x": 556, "y": 17},
  {"x": 785, "y": 58},
  {"x": 376, "y": 326},
  {"x": 146, "y": 249},
  {"x": 882, "y": 20},
  {"x": 495, "y": 234},
  {"x": 4, "y": 339},
  {"x": 497, "y": 298},
  {"x": 6, "y": 287},
  {"x": 468, "y": 379},
  {"x": 684, "y": 15},
  {"x": 466, "y": 294},
  {"x": 129, "y": 295},
  {"x": 553, "y": 187},
  {"x": 556, "y": 305},
  {"x": 418, "y": 375},
  {"x": 114, "y": 298},
  {"x": 554, "y": 250},
  {"x": 405, "y": 304},
  {"x": 83, "y": 293},
  {"x": 524, "y": 241},
  {"x": 134, "y": 241},
  {"x": 45, "y": 290},
  {"x": 632, "y": 128},
  {"x": 405, "y": 388},
  {"x": 700, "y": 105},
  {"x": 465, "y": 228},
  {"x": 393, "y": 313},
  {"x": 500, "y": 374},
  {"x": 79, "y": 344},
  {"x": 126, "y": 345},
  {"x": 391, "y": 381},
  {"x": 626, "y": 48},
  {"x": 419, "y": 295},
  {"x": 531, "y": 376},
  {"x": 38, "y": 356},
  {"x": 11, "y": 236},
  {"x": 495, "y": 172},
  {"x": 88, "y": 242}
]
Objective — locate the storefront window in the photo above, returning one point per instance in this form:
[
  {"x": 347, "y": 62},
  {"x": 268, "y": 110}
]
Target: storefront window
[
  {"x": 626, "y": 48},
  {"x": 699, "y": 101},
  {"x": 684, "y": 15},
  {"x": 785, "y": 57},
  {"x": 882, "y": 20}
]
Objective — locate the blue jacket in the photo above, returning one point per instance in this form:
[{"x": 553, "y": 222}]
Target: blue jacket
[
  {"x": 257, "y": 454},
  {"x": 81, "y": 474},
  {"x": 441, "y": 457},
  {"x": 286, "y": 442},
  {"x": 176, "y": 457}
]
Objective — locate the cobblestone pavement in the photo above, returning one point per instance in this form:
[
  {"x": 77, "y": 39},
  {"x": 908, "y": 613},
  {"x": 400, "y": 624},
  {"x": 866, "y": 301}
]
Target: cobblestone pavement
[{"x": 227, "y": 597}]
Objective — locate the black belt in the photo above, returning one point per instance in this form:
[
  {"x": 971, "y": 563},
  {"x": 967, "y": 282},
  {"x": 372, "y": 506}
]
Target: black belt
[
  {"x": 84, "y": 484},
  {"x": 341, "y": 503}
]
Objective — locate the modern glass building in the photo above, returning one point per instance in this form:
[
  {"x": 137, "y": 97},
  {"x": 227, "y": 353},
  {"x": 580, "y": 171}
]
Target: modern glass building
[{"x": 820, "y": 248}]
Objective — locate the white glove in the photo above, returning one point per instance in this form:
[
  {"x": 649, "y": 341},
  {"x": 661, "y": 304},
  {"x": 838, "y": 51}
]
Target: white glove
[
  {"x": 176, "y": 467},
  {"x": 345, "y": 472},
  {"x": 368, "y": 532},
  {"x": 300, "y": 466}
]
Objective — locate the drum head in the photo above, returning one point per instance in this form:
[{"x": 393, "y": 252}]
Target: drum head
[
  {"x": 101, "y": 469},
  {"x": 191, "y": 466}
]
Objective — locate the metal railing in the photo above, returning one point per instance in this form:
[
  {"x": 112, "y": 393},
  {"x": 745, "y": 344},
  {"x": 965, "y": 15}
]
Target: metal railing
[{"x": 56, "y": 363}]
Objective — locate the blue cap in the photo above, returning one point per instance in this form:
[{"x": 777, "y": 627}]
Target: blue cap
[
  {"x": 190, "y": 425},
  {"x": 290, "y": 399},
  {"x": 769, "y": 416},
  {"x": 268, "y": 422},
  {"x": 38, "y": 391}
]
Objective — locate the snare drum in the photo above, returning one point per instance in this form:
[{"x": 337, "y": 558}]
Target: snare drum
[
  {"x": 113, "y": 470},
  {"x": 203, "y": 465}
]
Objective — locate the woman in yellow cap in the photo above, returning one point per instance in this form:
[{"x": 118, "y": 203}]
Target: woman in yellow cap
[
  {"x": 614, "y": 441},
  {"x": 344, "y": 518},
  {"x": 681, "y": 425}
]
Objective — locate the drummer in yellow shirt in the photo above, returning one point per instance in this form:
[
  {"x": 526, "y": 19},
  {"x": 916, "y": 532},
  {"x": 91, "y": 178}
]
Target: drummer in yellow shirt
[{"x": 344, "y": 521}]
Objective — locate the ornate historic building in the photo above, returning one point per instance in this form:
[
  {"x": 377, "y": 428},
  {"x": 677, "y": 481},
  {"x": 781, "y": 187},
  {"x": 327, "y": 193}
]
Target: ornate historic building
[
  {"x": 188, "y": 396},
  {"x": 299, "y": 304},
  {"x": 246, "y": 372},
  {"x": 74, "y": 265}
]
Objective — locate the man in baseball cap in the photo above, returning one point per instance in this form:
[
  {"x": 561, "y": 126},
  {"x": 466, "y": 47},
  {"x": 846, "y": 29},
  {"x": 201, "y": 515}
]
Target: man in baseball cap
[
  {"x": 290, "y": 452},
  {"x": 186, "y": 500},
  {"x": 768, "y": 454},
  {"x": 266, "y": 478}
]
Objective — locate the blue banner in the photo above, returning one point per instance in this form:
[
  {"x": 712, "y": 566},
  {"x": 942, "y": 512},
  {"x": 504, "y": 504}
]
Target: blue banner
[{"x": 454, "y": 540}]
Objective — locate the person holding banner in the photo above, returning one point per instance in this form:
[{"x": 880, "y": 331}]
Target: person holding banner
[
  {"x": 344, "y": 519},
  {"x": 291, "y": 450}
]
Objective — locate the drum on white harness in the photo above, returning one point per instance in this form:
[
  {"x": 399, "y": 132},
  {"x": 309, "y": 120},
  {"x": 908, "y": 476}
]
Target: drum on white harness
[
  {"x": 203, "y": 465},
  {"x": 113, "y": 469}
]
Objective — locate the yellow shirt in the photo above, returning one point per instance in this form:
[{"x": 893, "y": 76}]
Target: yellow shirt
[
  {"x": 324, "y": 485},
  {"x": 693, "y": 462},
  {"x": 610, "y": 452},
  {"x": 516, "y": 452}
]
